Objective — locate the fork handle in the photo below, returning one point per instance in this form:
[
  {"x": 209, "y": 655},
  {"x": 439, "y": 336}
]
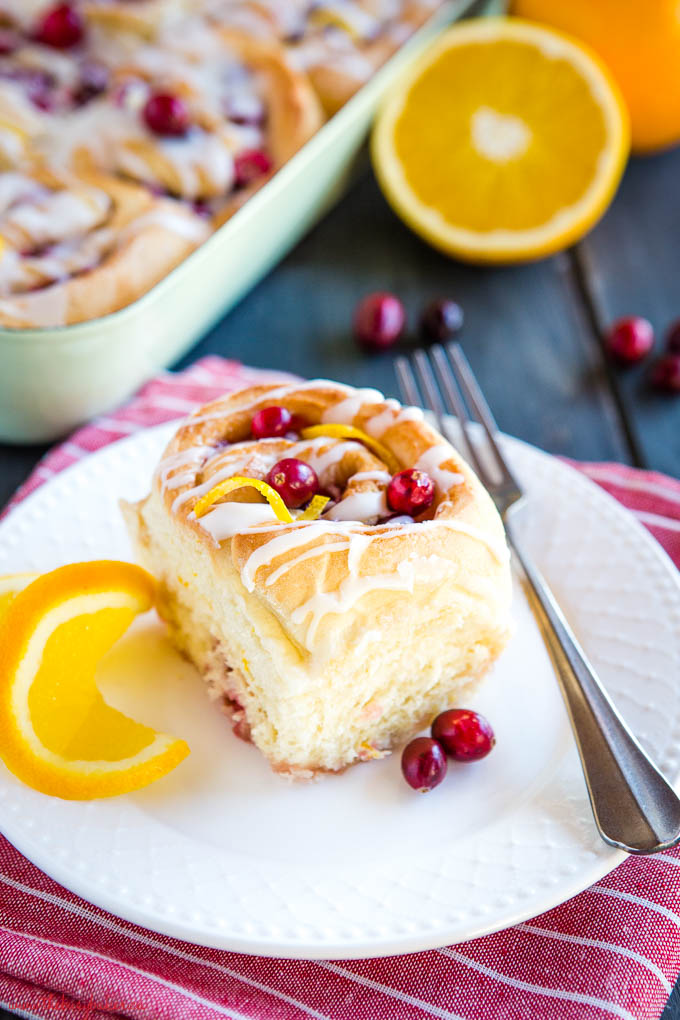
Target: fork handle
[{"x": 635, "y": 808}]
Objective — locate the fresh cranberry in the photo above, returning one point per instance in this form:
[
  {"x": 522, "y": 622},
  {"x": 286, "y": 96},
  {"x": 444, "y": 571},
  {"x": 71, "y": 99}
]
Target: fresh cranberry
[
  {"x": 9, "y": 42},
  {"x": 249, "y": 165},
  {"x": 410, "y": 492},
  {"x": 464, "y": 734},
  {"x": 630, "y": 339},
  {"x": 673, "y": 338},
  {"x": 294, "y": 480},
  {"x": 666, "y": 373},
  {"x": 423, "y": 764},
  {"x": 441, "y": 320},
  {"x": 270, "y": 422},
  {"x": 379, "y": 320},
  {"x": 61, "y": 27},
  {"x": 296, "y": 425},
  {"x": 166, "y": 115}
]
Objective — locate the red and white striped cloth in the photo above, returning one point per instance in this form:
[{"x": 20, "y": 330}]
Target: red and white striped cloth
[{"x": 613, "y": 951}]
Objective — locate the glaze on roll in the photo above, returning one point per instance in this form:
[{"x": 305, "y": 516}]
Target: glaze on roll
[{"x": 334, "y": 629}]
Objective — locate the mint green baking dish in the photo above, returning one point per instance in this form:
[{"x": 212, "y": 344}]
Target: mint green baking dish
[{"x": 52, "y": 380}]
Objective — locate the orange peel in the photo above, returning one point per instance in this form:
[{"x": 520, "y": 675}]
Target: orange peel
[
  {"x": 315, "y": 509},
  {"x": 337, "y": 431},
  {"x": 240, "y": 482},
  {"x": 57, "y": 733}
]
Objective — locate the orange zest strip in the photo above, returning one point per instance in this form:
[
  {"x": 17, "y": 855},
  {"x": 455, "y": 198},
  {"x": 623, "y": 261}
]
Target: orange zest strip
[
  {"x": 315, "y": 509},
  {"x": 240, "y": 482},
  {"x": 351, "y": 432}
]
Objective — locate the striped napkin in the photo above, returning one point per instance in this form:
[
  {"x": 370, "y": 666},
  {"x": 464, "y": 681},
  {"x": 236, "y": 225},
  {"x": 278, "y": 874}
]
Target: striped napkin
[{"x": 613, "y": 951}]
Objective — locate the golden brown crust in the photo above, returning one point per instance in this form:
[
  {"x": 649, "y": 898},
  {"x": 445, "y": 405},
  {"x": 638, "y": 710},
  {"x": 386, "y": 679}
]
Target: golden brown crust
[{"x": 149, "y": 236}]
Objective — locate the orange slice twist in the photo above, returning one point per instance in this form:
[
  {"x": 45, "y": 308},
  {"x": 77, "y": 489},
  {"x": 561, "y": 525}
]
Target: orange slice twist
[
  {"x": 351, "y": 432},
  {"x": 240, "y": 482},
  {"x": 57, "y": 734}
]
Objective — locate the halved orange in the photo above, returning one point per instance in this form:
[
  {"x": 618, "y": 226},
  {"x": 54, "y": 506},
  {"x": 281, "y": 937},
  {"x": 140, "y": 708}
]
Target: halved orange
[
  {"x": 640, "y": 44},
  {"x": 505, "y": 142},
  {"x": 57, "y": 733}
]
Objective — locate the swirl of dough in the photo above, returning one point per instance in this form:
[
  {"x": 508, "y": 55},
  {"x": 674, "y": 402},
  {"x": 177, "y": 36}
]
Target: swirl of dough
[
  {"x": 73, "y": 248},
  {"x": 309, "y": 570}
]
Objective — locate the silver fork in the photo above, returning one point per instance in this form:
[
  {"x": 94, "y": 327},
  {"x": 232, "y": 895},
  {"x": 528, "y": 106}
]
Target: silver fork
[{"x": 635, "y": 808}]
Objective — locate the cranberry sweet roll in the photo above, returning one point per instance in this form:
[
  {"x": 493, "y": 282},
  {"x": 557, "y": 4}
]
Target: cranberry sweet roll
[
  {"x": 203, "y": 115},
  {"x": 73, "y": 249},
  {"x": 334, "y": 569}
]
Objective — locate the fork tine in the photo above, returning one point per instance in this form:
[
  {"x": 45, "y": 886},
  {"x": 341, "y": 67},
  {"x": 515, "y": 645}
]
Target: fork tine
[
  {"x": 456, "y": 405},
  {"x": 407, "y": 381},
  {"x": 429, "y": 386},
  {"x": 476, "y": 400}
]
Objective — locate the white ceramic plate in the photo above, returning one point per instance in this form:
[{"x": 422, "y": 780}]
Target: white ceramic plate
[{"x": 224, "y": 853}]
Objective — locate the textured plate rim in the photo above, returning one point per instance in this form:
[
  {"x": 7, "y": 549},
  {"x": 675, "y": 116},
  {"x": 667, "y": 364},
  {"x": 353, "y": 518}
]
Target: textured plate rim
[{"x": 545, "y": 898}]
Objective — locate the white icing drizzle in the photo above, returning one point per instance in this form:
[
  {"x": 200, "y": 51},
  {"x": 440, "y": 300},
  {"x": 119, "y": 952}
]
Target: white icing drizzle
[
  {"x": 345, "y": 411},
  {"x": 372, "y": 476},
  {"x": 280, "y": 545},
  {"x": 329, "y": 547},
  {"x": 344, "y": 523},
  {"x": 191, "y": 457},
  {"x": 323, "y": 463},
  {"x": 280, "y": 393},
  {"x": 430, "y": 462},
  {"x": 228, "y": 519},
  {"x": 393, "y": 414},
  {"x": 351, "y": 589},
  {"x": 360, "y": 506},
  {"x": 175, "y": 220}
]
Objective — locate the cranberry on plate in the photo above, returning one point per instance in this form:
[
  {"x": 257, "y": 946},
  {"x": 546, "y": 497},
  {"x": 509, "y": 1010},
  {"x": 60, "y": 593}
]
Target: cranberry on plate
[
  {"x": 166, "y": 114},
  {"x": 464, "y": 734},
  {"x": 630, "y": 339},
  {"x": 270, "y": 422},
  {"x": 61, "y": 27},
  {"x": 249, "y": 165},
  {"x": 410, "y": 492},
  {"x": 294, "y": 480},
  {"x": 423, "y": 764},
  {"x": 441, "y": 320},
  {"x": 379, "y": 320}
]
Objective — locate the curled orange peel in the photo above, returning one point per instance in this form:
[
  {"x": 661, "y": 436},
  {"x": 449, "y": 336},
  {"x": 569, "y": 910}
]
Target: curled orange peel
[
  {"x": 240, "y": 482},
  {"x": 337, "y": 431},
  {"x": 315, "y": 509}
]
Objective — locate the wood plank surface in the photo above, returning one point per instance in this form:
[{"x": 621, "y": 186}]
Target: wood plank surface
[
  {"x": 525, "y": 331},
  {"x": 631, "y": 266},
  {"x": 528, "y": 331}
]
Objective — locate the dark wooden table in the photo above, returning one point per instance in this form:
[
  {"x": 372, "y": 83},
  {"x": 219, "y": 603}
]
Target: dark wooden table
[{"x": 532, "y": 333}]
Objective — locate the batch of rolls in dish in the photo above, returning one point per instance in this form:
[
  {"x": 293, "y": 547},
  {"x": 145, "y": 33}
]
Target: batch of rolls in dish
[{"x": 132, "y": 129}]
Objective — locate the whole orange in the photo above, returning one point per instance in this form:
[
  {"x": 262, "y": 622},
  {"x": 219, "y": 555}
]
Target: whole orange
[{"x": 640, "y": 42}]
